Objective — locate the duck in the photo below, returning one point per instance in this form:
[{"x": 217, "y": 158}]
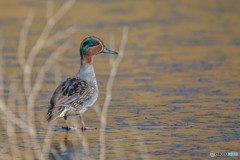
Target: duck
[{"x": 75, "y": 94}]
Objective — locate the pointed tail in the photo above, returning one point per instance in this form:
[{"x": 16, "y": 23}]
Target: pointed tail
[{"x": 54, "y": 112}]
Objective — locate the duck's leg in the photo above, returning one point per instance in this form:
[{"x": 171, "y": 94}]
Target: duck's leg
[
  {"x": 65, "y": 117},
  {"x": 83, "y": 124}
]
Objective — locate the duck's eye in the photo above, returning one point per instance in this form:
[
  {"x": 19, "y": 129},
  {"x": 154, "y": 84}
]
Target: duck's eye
[{"x": 89, "y": 43}]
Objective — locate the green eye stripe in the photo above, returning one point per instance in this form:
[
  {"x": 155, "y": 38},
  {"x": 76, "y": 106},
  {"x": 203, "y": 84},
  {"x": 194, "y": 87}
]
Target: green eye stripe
[{"x": 89, "y": 43}]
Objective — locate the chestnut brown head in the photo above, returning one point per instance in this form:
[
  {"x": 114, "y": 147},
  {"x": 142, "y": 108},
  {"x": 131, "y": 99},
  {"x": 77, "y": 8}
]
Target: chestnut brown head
[{"x": 91, "y": 46}]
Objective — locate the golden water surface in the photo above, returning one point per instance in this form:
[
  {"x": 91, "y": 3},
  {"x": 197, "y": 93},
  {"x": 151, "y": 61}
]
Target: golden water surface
[{"x": 176, "y": 94}]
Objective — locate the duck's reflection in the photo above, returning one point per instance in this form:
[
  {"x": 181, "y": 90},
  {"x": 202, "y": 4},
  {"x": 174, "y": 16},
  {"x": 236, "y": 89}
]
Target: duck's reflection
[{"x": 74, "y": 145}]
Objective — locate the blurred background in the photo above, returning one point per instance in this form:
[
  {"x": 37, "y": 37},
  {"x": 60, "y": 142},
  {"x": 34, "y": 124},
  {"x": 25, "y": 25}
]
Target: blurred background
[{"x": 176, "y": 94}]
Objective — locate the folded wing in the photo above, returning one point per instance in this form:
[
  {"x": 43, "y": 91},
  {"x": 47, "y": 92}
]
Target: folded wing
[{"x": 71, "y": 93}]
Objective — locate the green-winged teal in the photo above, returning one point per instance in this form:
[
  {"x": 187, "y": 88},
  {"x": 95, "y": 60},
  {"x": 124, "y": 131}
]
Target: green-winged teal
[{"x": 75, "y": 94}]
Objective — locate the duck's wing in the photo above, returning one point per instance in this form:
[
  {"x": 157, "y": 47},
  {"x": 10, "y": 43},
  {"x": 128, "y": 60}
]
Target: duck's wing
[{"x": 71, "y": 92}]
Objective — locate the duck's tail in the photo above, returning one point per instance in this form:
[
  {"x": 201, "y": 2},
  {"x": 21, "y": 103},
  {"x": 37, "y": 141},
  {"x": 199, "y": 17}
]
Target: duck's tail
[
  {"x": 54, "y": 112},
  {"x": 49, "y": 115}
]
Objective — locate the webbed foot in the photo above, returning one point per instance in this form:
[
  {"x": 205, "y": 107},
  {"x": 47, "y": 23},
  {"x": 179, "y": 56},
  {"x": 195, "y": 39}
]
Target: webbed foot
[
  {"x": 87, "y": 128},
  {"x": 69, "y": 128}
]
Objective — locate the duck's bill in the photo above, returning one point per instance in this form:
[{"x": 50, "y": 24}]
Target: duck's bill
[{"x": 105, "y": 50}]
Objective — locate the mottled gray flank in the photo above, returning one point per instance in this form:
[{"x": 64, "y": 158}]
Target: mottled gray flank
[{"x": 75, "y": 94}]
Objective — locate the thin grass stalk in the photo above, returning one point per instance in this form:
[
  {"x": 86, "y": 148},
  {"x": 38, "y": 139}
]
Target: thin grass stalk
[
  {"x": 10, "y": 126},
  {"x": 31, "y": 93},
  {"x": 142, "y": 147},
  {"x": 55, "y": 154},
  {"x": 112, "y": 75},
  {"x": 46, "y": 143},
  {"x": 23, "y": 39},
  {"x": 1, "y": 65},
  {"x": 49, "y": 8},
  {"x": 27, "y": 65},
  {"x": 3, "y": 106},
  {"x": 12, "y": 140},
  {"x": 41, "y": 42},
  {"x": 40, "y": 76},
  {"x": 62, "y": 34},
  {"x": 37, "y": 86},
  {"x": 47, "y": 140}
]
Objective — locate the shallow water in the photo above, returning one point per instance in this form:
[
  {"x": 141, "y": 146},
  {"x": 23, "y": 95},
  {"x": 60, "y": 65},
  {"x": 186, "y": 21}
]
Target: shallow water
[{"x": 176, "y": 94}]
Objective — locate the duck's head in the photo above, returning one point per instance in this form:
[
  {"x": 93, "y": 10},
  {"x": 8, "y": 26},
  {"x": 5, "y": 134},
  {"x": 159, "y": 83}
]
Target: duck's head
[{"x": 92, "y": 46}]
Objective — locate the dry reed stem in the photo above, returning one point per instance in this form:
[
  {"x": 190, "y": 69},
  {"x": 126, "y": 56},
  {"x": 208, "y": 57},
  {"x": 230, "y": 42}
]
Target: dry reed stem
[
  {"x": 42, "y": 41},
  {"x": 62, "y": 34},
  {"x": 85, "y": 144},
  {"x": 82, "y": 137},
  {"x": 40, "y": 76},
  {"x": 12, "y": 140},
  {"x": 27, "y": 66},
  {"x": 50, "y": 8},
  {"x": 3, "y": 106},
  {"x": 112, "y": 75},
  {"x": 38, "y": 84},
  {"x": 29, "y": 92},
  {"x": 142, "y": 146},
  {"x": 10, "y": 127},
  {"x": 13, "y": 89},
  {"x": 1, "y": 65},
  {"x": 13, "y": 120},
  {"x": 55, "y": 154},
  {"x": 47, "y": 141},
  {"x": 10, "y": 115},
  {"x": 23, "y": 38},
  {"x": 39, "y": 79}
]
